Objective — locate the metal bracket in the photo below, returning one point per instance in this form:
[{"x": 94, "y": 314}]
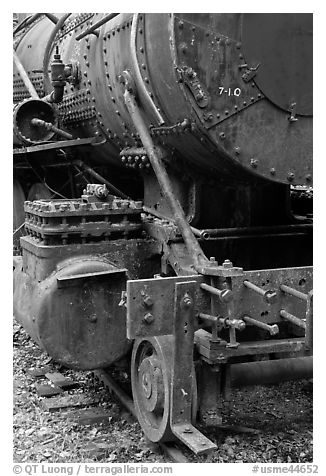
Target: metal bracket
[
  {"x": 160, "y": 306},
  {"x": 190, "y": 78},
  {"x": 77, "y": 279},
  {"x": 181, "y": 386},
  {"x": 250, "y": 73}
]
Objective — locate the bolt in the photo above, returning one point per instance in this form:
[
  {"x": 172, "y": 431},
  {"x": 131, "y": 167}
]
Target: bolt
[
  {"x": 227, "y": 264},
  {"x": 273, "y": 171},
  {"x": 148, "y": 301},
  {"x": 187, "y": 430},
  {"x": 254, "y": 163},
  {"x": 187, "y": 301},
  {"x": 290, "y": 176},
  {"x": 222, "y": 135},
  {"x": 148, "y": 318}
]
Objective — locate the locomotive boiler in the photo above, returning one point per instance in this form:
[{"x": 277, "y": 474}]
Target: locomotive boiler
[{"x": 167, "y": 164}]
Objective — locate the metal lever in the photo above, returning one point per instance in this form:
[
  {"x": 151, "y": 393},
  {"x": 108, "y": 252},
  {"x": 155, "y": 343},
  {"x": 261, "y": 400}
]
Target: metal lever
[
  {"x": 273, "y": 330},
  {"x": 269, "y": 295}
]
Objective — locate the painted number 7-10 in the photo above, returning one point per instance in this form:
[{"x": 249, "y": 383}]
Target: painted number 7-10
[{"x": 230, "y": 91}]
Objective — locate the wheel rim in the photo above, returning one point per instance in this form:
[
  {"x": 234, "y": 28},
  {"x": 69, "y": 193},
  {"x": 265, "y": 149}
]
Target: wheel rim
[{"x": 151, "y": 379}]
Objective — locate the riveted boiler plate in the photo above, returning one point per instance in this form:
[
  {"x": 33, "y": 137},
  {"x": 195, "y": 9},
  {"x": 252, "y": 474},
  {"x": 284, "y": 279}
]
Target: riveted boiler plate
[{"x": 281, "y": 44}]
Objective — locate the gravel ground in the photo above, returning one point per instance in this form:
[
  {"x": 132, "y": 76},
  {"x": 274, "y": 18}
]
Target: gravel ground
[{"x": 282, "y": 413}]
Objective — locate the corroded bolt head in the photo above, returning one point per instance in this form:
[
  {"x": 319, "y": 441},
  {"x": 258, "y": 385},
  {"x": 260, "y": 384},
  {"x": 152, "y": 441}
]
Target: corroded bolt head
[
  {"x": 148, "y": 318},
  {"x": 226, "y": 295},
  {"x": 187, "y": 430},
  {"x": 227, "y": 264},
  {"x": 254, "y": 163},
  {"x": 274, "y": 330},
  {"x": 148, "y": 301},
  {"x": 187, "y": 301},
  {"x": 270, "y": 296}
]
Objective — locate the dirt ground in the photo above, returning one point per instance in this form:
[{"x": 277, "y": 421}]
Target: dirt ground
[{"x": 282, "y": 413}]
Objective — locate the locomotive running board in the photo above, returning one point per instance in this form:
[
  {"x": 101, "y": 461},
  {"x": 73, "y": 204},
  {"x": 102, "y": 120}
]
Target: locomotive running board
[{"x": 181, "y": 381}]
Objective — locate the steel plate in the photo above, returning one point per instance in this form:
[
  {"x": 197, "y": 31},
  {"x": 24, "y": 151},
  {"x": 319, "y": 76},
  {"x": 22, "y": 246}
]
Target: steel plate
[{"x": 281, "y": 44}]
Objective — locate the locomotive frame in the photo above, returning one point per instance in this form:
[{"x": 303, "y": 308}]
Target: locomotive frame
[{"x": 108, "y": 275}]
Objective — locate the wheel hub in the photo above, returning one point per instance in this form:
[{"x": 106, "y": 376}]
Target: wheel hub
[{"x": 151, "y": 384}]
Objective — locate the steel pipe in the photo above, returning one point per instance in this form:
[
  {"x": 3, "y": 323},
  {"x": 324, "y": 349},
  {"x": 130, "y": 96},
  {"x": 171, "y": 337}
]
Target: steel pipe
[
  {"x": 257, "y": 230},
  {"x": 101, "y": 179},
  {"x": 155, "y": 156},
  {"x": 52, "y": 17},
  {"x": 96, "y": 25},
  {"x": 157, "y": 214},
  {"x": 271, "y": 371},
  {"x": 50, "y": 127},
  {"x": 138, "y": 77}
]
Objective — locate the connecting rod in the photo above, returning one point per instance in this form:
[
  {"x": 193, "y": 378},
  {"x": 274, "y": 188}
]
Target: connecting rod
[{"x": 155, "y": 156}]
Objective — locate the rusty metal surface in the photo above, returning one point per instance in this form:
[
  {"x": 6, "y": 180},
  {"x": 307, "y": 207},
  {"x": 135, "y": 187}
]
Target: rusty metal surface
[
  {"x": 220, "y": 353},
  {"x": 209, "y": 89},
  {"x": 272, "y": 41},
  {"x": 151, "y": 364},
  {"x": 18, "y": 212},
  {"x": 140, "y": 257},
  {"x": 182, "y": 368},
  {"x": 252, "y": 304},
  {"x": 81, "y": 220},
  {"x": 80, "y": 326},
  {"x": 154, "y": 297},
  {"x": 54, "y": 145},
  {"x": 183, "y": 332},
  {"x": 245, "y": 302}
]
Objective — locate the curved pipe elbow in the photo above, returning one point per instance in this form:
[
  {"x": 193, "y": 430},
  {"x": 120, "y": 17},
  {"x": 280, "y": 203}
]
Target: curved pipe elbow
[{"x": 55, "y": 96}]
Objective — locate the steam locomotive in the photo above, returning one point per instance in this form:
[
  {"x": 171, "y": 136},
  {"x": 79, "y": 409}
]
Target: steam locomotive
[{"x": 166, "y": 160}]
